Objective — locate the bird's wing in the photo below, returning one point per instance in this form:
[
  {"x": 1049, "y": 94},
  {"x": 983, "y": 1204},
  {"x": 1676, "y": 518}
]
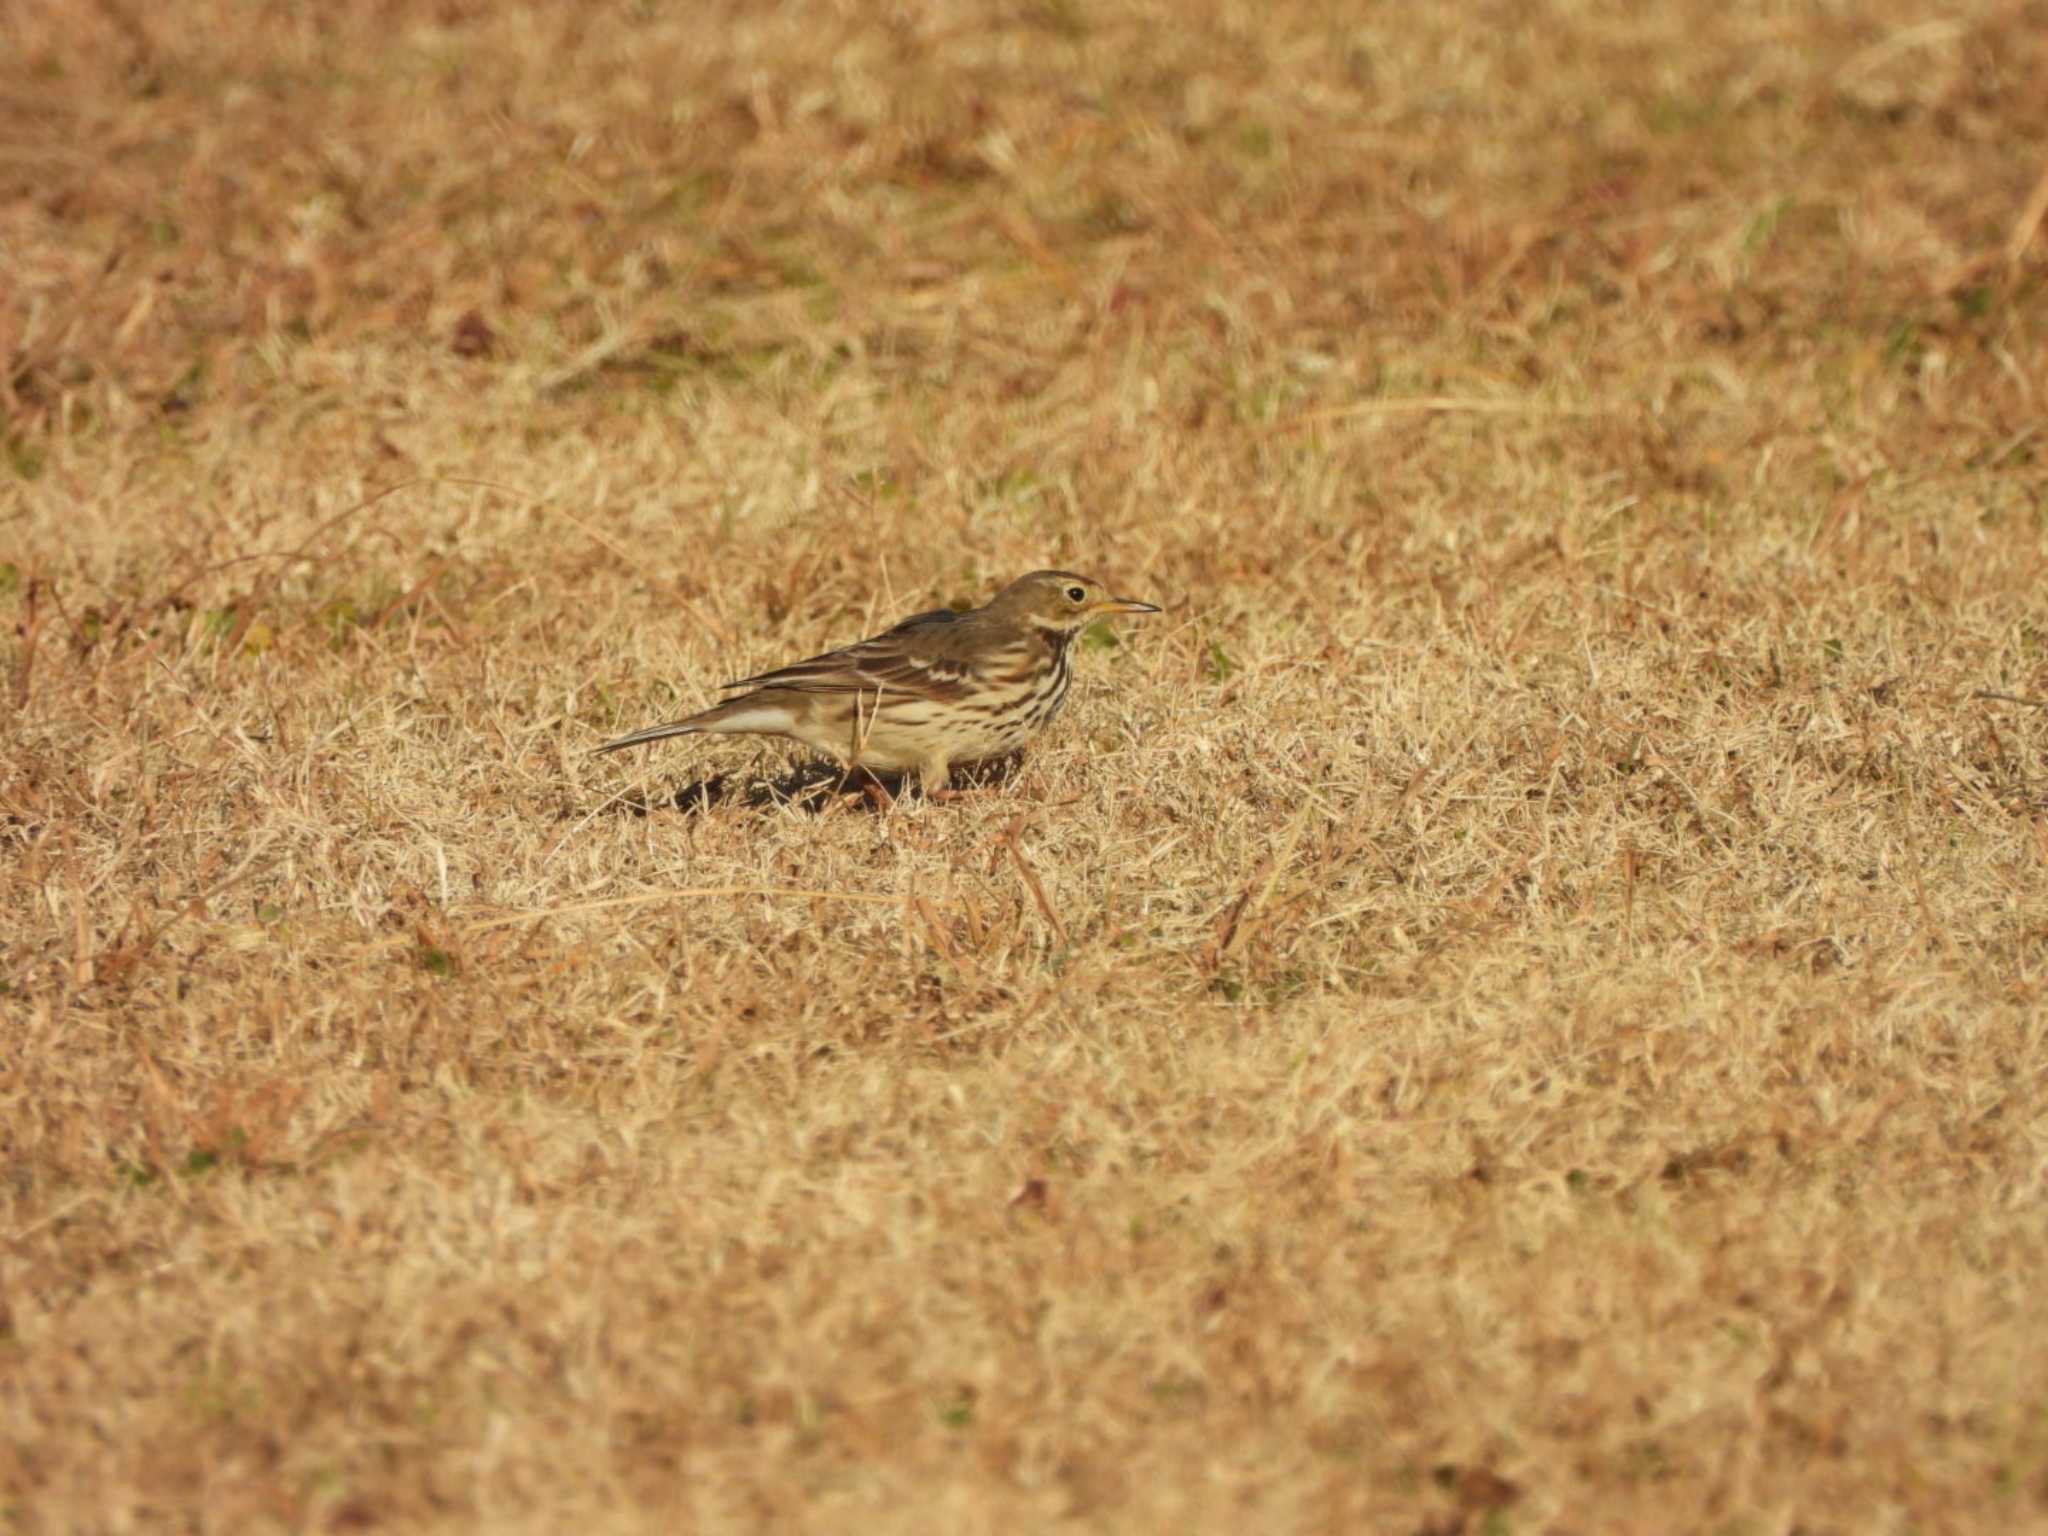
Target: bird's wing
[{"x": 899, "y": 660}]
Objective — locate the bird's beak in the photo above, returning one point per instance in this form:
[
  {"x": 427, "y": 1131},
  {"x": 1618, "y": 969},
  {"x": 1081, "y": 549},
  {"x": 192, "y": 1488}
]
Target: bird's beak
[{"x": 1125, "y": 605}]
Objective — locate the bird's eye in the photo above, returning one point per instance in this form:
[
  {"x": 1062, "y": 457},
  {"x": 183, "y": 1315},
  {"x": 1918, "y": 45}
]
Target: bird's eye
[{"x": 1077, "y": 594}]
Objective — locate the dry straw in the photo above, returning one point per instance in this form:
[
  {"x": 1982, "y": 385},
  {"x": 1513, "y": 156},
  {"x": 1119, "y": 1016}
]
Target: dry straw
[{"x": 1516, "y": 1005}]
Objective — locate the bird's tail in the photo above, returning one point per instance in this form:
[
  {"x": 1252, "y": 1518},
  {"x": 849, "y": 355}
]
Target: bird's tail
[
  {"x": 688, "y": 727},
  {"x": 751, "y": 713}
]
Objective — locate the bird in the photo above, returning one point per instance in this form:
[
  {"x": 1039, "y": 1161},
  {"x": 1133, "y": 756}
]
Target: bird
[{"x": 940, "y": 690}]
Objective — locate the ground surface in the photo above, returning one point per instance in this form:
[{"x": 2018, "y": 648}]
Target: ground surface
[{"x": 1517, "y": 1005}]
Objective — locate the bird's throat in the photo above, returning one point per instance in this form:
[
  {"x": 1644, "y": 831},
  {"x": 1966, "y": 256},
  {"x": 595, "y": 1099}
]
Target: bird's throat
[{"x": 1056, "y": 640}]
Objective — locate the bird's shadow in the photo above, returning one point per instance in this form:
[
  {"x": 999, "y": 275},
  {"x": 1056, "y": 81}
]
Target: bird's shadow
[{"x": 815, "y": 787}]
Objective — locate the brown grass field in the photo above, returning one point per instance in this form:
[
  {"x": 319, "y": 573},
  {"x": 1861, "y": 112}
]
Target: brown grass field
[{"x": 1520, "y": 1004}]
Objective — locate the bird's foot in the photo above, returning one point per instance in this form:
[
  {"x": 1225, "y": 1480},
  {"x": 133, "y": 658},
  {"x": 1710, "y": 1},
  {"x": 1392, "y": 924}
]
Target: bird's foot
[{"x": 946, "y": 793}]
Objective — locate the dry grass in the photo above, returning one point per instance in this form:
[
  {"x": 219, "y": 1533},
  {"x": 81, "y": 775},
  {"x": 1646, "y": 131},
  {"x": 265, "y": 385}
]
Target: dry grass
[{"x": 1516, "y": 1006}]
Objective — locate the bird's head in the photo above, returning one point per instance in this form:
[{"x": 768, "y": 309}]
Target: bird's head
[{"x": 1061, "y": 602}]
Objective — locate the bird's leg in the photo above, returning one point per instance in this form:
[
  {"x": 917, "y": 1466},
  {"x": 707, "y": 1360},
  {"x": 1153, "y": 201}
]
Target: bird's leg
[
  {"x": 937, "y": 781},
  {"x": 858, "y": 783},
  {"x": 934, "y": 775}
]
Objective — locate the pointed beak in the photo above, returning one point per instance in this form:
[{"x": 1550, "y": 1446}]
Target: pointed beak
[{"x": 1125, "y": 605}]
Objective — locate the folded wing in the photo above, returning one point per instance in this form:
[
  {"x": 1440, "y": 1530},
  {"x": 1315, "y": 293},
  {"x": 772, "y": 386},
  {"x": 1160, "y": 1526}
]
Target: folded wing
[{"x": 901, "y": 659}]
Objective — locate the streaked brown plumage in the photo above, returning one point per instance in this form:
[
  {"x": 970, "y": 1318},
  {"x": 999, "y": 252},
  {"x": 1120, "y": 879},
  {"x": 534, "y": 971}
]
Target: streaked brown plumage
[{"x": 939, "y": 690}]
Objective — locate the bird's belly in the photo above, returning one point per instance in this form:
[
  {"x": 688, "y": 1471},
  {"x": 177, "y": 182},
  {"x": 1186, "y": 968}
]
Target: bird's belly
[
  {"x": 889, "y": 751},
  {"x": 918, "y": 731},
  {"x": 894, "y": 738}
]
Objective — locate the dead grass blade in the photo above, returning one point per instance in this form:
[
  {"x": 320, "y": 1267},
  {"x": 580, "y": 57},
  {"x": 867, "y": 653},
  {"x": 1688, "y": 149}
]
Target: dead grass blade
[
  {"x": 1430, "y": 405},
  {"x": 470, "y": 924},
  {"x": 1009, "y": 840}
]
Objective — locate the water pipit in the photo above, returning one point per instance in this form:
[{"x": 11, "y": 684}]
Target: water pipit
[{"x": 938, "y": 691}]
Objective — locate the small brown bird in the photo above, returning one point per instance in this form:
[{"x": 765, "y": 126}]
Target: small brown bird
[{"x": 940, "y": 690}]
